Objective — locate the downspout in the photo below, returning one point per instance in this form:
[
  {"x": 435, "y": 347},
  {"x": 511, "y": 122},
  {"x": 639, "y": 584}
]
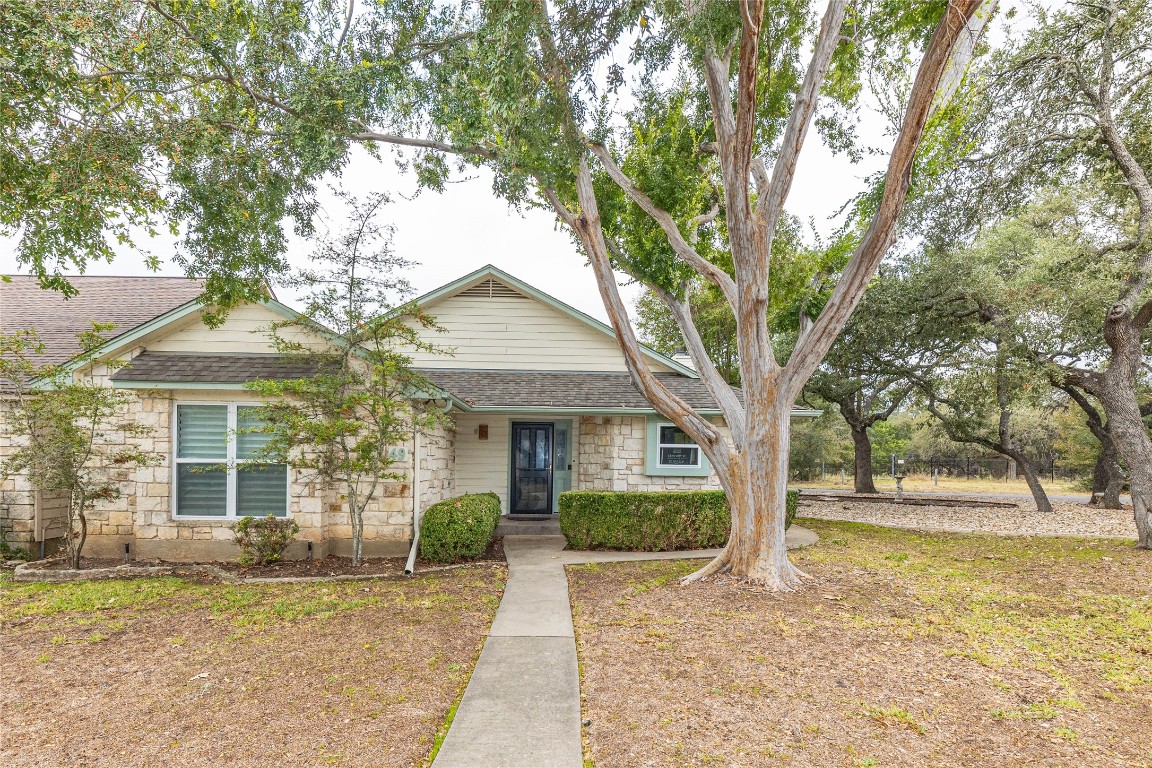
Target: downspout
[{"x": 411, "y": 564}]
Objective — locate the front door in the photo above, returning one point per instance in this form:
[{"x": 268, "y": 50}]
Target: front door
[{"x": 531, "y": 469}]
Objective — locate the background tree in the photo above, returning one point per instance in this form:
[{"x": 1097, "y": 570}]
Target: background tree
[
  {"x": 339, "y": 423},
  {"x": 713, "y": 317},
  {"x": 868, "y": 372},
  {"x": 222, "y": 115},
  {"x": 1069, "y": 102},
  {"x": 819, "y": 444},
  {"x": 75, "y": 434}
]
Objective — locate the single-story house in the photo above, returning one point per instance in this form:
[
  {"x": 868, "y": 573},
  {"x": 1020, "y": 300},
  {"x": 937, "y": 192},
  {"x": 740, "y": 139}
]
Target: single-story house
[{"x": 537, "y": 391}]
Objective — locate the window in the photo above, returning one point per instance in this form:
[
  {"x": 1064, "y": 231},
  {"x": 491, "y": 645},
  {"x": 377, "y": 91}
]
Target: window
[
  {"x": 214, "y": 473},
  {"x": 675, "y": 449}
]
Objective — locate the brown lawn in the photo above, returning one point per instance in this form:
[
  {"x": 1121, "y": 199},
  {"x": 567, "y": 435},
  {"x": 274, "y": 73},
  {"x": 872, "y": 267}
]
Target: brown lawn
[
  {"x": 907, "y": 650},
  {"x": 167, "y": 672}
]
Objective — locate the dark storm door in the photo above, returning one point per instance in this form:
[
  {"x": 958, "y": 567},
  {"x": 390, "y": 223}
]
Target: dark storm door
[{"x": 531, "y": 469}]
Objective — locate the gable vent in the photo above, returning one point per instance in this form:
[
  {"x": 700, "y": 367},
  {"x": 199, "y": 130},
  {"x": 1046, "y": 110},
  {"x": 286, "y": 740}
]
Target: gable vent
[{"x": 491, "y": 289}]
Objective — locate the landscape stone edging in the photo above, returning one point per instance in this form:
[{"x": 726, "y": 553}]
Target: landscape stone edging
[{"x": 24, "y": 573}]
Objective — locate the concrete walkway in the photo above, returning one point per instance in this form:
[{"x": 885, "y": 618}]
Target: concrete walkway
[{"x": 521, "y": 708}]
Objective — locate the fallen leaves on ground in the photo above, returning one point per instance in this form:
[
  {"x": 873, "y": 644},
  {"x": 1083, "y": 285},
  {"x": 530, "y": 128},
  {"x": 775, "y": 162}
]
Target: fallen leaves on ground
[
  {"x": 907, "y": 649},
  {"x": 168, "y": 672}
]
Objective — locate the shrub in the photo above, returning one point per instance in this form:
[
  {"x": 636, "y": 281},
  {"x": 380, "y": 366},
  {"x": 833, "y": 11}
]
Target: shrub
[
  {"x": 649, "y": 521},
  {"x": 460, "y": 528},
  {"x": 263, "y": 540}
]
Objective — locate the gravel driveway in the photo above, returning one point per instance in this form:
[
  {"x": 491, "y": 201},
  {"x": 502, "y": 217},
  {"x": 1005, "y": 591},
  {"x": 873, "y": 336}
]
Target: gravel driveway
[{"x": 1067, "y": 518}]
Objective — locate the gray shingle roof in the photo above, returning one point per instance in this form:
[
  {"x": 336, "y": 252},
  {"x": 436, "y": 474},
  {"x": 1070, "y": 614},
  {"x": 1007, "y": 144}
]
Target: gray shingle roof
[
  {"x": 546, "y": 389},
  {"x": 127, "y": 302},
  {"x": 211, "y": 369}
]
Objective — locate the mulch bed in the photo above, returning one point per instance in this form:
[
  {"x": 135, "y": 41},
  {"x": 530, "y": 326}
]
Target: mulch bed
[
  {"x": 1021, "y": 518},
  {"x": 318, "y": 568},
  {"x": 165, "y": 672},
  {"x": 906, "y": 650}
]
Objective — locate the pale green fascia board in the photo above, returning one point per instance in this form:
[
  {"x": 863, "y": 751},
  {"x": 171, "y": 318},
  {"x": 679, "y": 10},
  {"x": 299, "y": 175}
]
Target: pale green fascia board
[
  {"x": 650, "y": 459},
  {"x": 491, "y": 271},
  {"x": 181, "y": 385},
  {"x": 806, "y": 413}
]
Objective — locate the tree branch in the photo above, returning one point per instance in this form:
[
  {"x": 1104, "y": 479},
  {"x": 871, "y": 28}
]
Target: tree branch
[
  {"x": 588, "y": 228},
  {"x": 813, "y": 346},
  {"x": 679, "y": 244},
  {"x": 784, "y": 170},
  {"x": 717, "y": 386}
]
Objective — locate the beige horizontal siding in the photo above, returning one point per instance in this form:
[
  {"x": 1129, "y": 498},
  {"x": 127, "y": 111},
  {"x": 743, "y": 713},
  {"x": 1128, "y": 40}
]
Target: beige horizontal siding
[
  {"x": 503, "y": 333},
  {"x": 245, "y": 331},
  {"x": 485, "y": 465}
]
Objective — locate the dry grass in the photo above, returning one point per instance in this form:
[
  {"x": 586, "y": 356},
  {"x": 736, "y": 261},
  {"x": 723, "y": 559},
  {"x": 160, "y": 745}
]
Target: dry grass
[
  {"x": 907, "y": 650},
  {"x": 169, "y": 672}
]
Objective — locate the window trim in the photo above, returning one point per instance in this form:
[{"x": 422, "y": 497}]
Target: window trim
[
  {"x": 231, "y": 481},
  {"x": 652, "y": 465}
]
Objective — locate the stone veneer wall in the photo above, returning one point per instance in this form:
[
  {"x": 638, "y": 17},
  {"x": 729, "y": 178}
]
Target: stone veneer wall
[
  {"x": 610, "y": 457},
  {"x": 142, "y": 515},
  {"x": 437, "y": 465},
  {"x": 17, "y": 499}
]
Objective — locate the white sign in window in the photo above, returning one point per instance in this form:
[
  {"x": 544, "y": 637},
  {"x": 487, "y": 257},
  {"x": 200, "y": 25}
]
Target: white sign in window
[
  {"x": 675, "y": 449},
  {"x": 215, "y": 473}
]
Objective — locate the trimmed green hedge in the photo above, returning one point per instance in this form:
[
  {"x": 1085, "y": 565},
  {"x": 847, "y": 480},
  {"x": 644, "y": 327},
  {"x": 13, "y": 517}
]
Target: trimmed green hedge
[
  {"x": 649, "y": 521},
  {"x": 460, "y": 528}
]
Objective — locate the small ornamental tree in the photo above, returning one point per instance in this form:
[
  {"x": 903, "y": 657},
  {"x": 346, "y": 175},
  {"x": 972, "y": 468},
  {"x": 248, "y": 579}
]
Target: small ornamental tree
[
  {"x": 339, "y": 422},
  {"x": 75, "y": 435}
]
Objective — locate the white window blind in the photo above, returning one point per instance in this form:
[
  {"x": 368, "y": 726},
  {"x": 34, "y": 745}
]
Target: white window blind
[{"x": 215, "y": 473}]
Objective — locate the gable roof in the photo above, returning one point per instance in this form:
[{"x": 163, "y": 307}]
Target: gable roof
[
  {"x": 126, "y": 302},
  {"x": 490, "y": 278}
]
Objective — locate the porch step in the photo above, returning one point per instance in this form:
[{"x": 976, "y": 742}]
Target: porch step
[{"x": 516, "y": 525}]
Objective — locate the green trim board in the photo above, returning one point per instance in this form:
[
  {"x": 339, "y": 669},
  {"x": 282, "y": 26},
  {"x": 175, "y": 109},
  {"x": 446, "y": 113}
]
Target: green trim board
[
  {"x": 651, "y": 463},
  {"x": 454, "y": 287}
]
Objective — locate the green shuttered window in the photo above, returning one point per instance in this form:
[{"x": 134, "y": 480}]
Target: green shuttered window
[{"x": 215, "y": 475}]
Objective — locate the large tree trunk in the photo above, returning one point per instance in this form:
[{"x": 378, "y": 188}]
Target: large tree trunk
[
  {"x": 1107, "y": 478},
  {"x": 756, "y": 483},
  {"x": 1032, "y": 477},
  {"x": 862, "y": 460},
  {"x": 1130, "y": 435},
  {"x": 1115, "y": 388}
]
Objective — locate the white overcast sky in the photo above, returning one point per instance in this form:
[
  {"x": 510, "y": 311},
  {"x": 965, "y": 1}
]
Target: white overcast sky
[{"x": 467, "y": 226}]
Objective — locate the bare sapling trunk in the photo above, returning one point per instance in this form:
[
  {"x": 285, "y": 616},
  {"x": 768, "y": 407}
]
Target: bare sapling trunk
[
  {"x": 77, "y": 533},
  {"x": 862, "y": 460},
  {"x": 356, "y": 518}
]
